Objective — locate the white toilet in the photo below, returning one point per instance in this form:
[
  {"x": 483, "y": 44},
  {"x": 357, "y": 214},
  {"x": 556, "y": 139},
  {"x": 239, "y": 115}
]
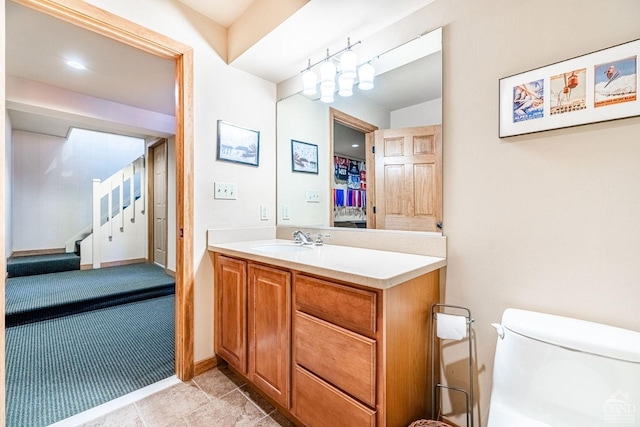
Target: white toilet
[{"x": 561, "y": 372}]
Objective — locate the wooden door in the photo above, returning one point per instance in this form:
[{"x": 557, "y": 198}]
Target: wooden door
[
  {"x": 408, "y": 178},
  {"x": 269, "y": 331},
  {"x": 160, "y": 204},
  {"x": 230, "y": 327}
]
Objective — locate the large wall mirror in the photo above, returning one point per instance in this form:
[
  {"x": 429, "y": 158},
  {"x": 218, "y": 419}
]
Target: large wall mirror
[{"x": 401, "y": 116}]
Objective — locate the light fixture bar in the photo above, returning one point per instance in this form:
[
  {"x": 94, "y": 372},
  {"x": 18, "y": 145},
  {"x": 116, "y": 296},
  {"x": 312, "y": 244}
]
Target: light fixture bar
[{"x": 328, "y": 57}]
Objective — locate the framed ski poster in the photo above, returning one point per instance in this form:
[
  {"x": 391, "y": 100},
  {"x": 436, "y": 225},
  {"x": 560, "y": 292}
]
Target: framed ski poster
[{"x": 591, "y": 88}]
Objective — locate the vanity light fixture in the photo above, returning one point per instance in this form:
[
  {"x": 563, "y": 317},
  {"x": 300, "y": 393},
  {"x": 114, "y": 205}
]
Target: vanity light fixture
[{"x": 346, "y": 71}]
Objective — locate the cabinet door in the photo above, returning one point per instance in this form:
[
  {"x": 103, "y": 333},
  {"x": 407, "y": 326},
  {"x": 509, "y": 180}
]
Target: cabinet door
[
  {"x": 230, "y": 311},
  {"x": 270, "y": 331}
]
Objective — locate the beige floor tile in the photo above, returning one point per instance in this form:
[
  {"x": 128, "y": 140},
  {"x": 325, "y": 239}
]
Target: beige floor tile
[
  {"x": 123, "y": 417},
  {"x": 168, "y": 407},
  {"x": 218, "y": 381},
  {"x": 257, "y": 399},
  {"x": 276, "y": 419},
  {"x": 233, "y": 409}
]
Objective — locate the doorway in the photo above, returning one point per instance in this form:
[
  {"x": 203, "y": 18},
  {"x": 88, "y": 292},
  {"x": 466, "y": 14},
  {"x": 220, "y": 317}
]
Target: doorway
[
  {"x": 89, "y": 17},
  {"x": 351, "y": 178},
  {"x": 158, "y": 201}
]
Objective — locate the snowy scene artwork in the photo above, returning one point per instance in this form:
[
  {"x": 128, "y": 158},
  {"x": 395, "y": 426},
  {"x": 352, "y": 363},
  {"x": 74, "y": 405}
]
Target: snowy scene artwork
[
  {"x": 591, "y": 88},
  {"x": 237, "y": 144}
]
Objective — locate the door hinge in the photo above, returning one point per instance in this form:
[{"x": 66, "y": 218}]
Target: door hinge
[
  {"x": 373, "y": 149},
  {"x": 181, "y": 232},
  {"x": 374, "y": 210}
]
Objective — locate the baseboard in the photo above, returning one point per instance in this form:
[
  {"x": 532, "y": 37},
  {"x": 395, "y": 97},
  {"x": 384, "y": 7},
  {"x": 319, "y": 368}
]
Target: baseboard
[
  {"x": 205, "y": 365},
  {"x": 170, "y": 273},
  {"x": 114, "y": 263},
  {"x": 17, "y": 254},
  {"x": 124, "y": 262}
]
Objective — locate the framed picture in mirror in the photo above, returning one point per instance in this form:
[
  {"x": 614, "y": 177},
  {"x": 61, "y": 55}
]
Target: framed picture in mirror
[
  {"x": 237, "y": 144},
  {"x": 304, "y": 157}
]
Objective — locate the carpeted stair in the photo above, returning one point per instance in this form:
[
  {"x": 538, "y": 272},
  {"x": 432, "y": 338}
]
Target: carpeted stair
[
  {"x": 42, "y": 264},
  {"x": 32, "y": 299}
]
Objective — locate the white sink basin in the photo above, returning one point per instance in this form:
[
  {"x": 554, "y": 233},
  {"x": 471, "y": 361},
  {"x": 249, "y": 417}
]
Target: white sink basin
[{"x": 281, "y": 247}]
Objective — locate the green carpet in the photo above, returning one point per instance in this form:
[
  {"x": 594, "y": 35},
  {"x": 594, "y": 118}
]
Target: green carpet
[
  {"x": 42, "y": 264},
  {"x": 60, "y": 367},
  {"x": 45, "y": 296}
]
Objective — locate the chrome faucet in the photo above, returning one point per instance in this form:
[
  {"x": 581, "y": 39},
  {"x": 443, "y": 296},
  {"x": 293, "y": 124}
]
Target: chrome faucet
[{"x": 303, "y": 238}]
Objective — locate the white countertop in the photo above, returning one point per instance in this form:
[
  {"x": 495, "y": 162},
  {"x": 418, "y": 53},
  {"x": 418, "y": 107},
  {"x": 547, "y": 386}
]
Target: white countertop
[{"x": 367, "y": 267}]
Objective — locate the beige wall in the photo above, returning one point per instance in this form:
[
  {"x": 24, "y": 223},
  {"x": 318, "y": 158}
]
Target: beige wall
[{"x": 547, "y": 222}]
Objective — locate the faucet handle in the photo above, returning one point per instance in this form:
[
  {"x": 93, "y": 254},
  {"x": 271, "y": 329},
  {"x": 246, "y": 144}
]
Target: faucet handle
[
  {"x": 319, "y": 241},
  {"x": 296, "y": 237}
]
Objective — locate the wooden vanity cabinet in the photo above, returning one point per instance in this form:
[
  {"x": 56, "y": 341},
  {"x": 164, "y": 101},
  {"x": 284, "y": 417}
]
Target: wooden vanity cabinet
[
  {"x": 230, "y": 323},
  {"x": 253, "y": 323},
  {"x": 329, "y": 353},
  {"x": 269, "y": 331}
]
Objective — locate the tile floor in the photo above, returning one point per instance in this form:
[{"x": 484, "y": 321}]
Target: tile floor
[{"x": 215, "y": 398}]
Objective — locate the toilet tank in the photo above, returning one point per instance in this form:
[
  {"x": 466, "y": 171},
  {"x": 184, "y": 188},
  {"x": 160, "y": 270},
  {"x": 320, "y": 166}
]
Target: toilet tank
[{"x": 557, "y": 371}]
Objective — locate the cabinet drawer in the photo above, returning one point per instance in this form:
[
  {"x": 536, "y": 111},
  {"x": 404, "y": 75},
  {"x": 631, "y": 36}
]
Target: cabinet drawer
[
  {"x": 345, "y": 306},
  {"x": 339, "y": 356},
  {"x": 317, "y": 403}
]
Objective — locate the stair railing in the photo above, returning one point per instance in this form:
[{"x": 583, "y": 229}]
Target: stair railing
[{"x": 107, "y": 188}]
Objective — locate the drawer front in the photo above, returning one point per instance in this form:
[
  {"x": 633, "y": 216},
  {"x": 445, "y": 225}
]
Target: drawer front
[
  {"x": 341, "y": 357},
  {"x": 317, "y": 403},
  {"x": 345, "y": 306}
]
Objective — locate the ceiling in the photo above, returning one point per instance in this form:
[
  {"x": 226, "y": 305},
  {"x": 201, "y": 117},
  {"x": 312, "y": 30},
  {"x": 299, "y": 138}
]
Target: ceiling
[{"x": 37, "y": 45}]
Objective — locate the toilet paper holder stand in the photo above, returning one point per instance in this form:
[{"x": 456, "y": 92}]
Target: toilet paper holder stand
[{"x": 438, "y": 386}]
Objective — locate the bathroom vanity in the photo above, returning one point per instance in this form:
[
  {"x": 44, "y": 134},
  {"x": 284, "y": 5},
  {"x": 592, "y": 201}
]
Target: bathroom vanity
[{"x": 332, "y": 335}]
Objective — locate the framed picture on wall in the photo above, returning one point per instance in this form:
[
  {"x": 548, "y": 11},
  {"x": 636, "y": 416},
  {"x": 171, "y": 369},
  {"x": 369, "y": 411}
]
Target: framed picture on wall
[
  {"x": 304, "y": 157},
  {"x": 591, "y": 88},
  {"x": 237, "y": 144}
]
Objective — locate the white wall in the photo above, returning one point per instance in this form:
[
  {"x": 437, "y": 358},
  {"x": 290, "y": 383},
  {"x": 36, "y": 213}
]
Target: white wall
[
  {"x": 52, "y": 182},
  {"x": 220, "y": 92},
  {"x": 423, "y": 114},
  {"x": 549, "y": 221},
  {"x": 8, "y": 150}
]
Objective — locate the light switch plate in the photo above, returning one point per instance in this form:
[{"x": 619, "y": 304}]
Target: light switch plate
[
  {"x": 286, "y": 212},
  {"x": 264, "y": 212},
  {"x": 313, "y": 196},
  {"x": 225, "y": 190}
]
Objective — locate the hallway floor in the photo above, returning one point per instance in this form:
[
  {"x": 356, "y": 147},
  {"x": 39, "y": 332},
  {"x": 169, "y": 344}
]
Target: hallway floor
[{"x": 215, "y": 398}]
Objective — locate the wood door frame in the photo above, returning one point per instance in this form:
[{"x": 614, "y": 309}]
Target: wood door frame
[
  {"x": 151, "y": 200},
  {"x": 337, "y": 116},
  {"x": 117, "y": 28}
]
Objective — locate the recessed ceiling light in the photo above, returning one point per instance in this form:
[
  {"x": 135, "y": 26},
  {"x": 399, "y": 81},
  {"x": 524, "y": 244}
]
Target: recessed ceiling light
[
  {"x": 75, "y": 64},
  {"x": 355, "y": 145}
]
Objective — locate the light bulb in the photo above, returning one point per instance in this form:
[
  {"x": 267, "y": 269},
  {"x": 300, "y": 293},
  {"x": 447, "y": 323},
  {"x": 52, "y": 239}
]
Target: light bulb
[
  {"x": 345, "y": 86},
  {"x": 309, "y": 82},
  {"x": 366, "y": 73},
  {"x": 328, "y": 74},
  {"x": 348, "y": 63},
  {"x": 326, "y": 93}
]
